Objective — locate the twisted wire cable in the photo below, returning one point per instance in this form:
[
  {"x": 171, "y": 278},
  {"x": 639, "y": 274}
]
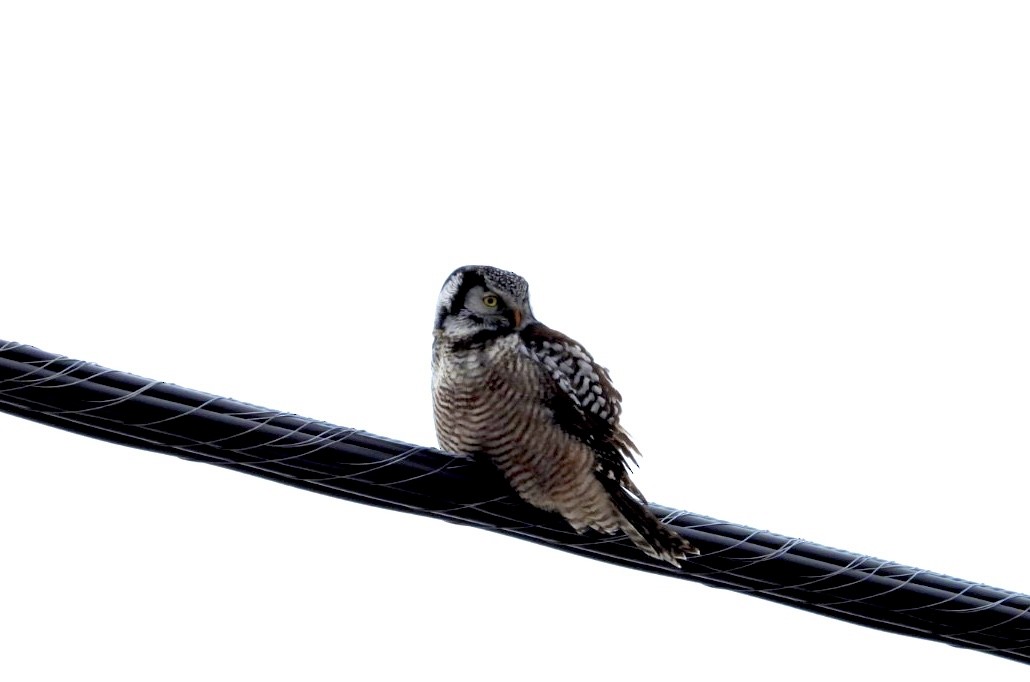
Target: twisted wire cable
[{"x": 122, "y": 408}]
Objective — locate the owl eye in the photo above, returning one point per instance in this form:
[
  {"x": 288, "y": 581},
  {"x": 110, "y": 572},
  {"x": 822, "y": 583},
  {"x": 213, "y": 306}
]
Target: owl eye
[{"x": 490, "y": 300}]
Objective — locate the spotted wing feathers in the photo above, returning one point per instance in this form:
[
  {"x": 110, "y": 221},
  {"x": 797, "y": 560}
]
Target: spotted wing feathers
[
  {"x": 585, "y": 403},
  {"x": 587, "y": 406}
]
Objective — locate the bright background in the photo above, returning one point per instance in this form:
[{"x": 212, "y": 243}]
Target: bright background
[{"x": 796, "y": 233}]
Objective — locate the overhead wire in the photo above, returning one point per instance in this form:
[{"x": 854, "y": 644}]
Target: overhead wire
[{"x": 125, "y": 409}]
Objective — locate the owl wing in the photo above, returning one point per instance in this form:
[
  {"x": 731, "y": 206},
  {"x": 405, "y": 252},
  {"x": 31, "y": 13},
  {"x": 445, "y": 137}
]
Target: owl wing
[{"x": 584, "y": 401}]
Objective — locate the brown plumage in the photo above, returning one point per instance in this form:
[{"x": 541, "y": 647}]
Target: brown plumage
[{"x": 535, "y": 402}]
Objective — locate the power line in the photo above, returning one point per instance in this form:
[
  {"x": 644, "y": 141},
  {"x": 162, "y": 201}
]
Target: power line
[{"x": 129, "y": 410}]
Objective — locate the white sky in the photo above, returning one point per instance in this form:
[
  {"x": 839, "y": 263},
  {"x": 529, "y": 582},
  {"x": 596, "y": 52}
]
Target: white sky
[{"x": 796, "y": 233}]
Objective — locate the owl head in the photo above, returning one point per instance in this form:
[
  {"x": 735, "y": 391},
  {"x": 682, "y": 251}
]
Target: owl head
[{"x": 481, "y": 301}]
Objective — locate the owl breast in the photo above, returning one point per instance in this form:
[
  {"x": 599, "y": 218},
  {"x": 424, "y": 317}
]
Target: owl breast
[
  {"x": 493, "y": 401},
  {"x": 485, "y": 399}
]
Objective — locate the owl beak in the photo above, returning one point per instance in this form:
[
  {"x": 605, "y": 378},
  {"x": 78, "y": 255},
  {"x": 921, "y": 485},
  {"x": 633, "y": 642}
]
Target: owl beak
[{"x": 518, "y": 318}]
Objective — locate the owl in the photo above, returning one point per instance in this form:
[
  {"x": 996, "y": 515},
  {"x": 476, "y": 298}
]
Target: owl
[{"x": 534, "y": 402}]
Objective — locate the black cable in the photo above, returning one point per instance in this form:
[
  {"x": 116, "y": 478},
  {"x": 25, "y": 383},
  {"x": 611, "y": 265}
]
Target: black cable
[{"x": 129, "y": 410}]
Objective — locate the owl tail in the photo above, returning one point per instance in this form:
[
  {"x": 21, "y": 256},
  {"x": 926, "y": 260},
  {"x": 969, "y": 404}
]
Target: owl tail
[{"x": 645, "y": 529}]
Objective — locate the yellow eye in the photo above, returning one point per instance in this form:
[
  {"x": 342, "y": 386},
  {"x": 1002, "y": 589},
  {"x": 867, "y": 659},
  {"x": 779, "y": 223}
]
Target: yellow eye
[{"x": 490, "y": 301}]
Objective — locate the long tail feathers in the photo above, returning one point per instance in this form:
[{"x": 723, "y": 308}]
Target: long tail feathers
[{"x": 645, "y": 529}]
